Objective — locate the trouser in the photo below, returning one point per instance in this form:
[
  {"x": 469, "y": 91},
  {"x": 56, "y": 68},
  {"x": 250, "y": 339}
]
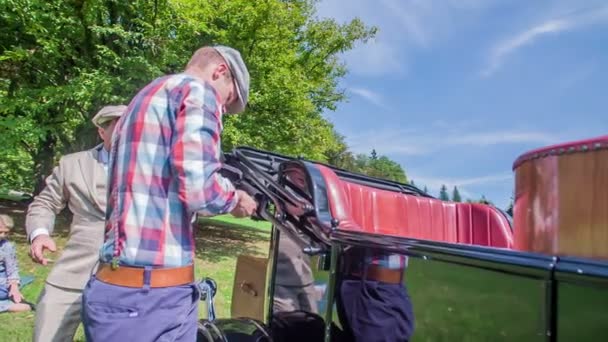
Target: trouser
[
  {"x": 373, "y": 311},
  {"x": 116, "y": 313},
  {"x": 292, "y": 298},
  {"x": 57, "y": 314}
]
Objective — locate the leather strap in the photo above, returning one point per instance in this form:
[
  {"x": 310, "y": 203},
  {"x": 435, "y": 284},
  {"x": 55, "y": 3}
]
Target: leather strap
[
  {"x": 381, "y": 274},
  {"x": 134, "y": 276}
]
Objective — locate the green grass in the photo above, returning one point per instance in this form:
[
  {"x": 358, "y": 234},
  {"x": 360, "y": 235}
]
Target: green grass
[
  {"x": 6, "y": 195},
  {"x": 231, "y": 221},
  {"x": 458, "y": 303},
  {"x": 470, "y": 304},
  {"x": 218, "y": 241}
]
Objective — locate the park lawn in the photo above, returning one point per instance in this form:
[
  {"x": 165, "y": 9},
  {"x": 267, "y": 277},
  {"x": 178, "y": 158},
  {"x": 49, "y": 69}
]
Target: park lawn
[
  {"x": 231, "y": 221},
  {"x": 219, "y": 241}
]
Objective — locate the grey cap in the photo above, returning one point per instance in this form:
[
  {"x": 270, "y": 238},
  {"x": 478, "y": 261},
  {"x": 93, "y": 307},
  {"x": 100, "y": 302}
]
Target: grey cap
[
  {"x": 240, "y": 74},
  {"x": 108, "y": 113}
]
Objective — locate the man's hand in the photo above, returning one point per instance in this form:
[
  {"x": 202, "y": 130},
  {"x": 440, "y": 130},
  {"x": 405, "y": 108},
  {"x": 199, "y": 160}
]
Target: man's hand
[
  {"x": 39, "y": 245},
  {"x": 246, "y": 205},
  {"x": 15, "y": 294}
]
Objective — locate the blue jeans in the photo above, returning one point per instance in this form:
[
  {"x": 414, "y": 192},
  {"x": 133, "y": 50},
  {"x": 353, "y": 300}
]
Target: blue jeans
[{"x": 116, "y": 313}]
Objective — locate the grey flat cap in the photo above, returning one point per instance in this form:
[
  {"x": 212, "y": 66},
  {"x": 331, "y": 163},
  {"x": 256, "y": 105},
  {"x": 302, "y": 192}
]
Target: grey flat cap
[
  {"x": 108, "y": 113},
  {"x": 241, "y": 77}
]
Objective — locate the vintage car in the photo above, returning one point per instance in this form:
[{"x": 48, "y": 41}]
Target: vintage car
[{"x": 473, "y": 273}]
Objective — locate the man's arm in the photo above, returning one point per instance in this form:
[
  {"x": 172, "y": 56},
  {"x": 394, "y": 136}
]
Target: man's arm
[
  {"x": 195, "y": 152},
  {"x": 40, "y": 218},
  {"x": 41, "y": 214}
]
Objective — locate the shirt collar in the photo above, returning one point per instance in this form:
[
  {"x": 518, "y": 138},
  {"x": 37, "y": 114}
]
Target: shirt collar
[{"x": 103, "y": 156}]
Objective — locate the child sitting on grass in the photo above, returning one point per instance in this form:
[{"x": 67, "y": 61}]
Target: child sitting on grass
[{"x": 10, "y": 297}]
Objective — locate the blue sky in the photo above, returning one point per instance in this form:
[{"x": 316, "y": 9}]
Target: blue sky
[{"x": 456, "y": 90}]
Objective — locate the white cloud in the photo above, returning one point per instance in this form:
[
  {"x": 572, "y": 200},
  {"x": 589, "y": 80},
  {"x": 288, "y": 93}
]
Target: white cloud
[
  {"x": 420, "y": 141},
  {"x": 509, "y": 46},
  {"x": 470, "y": 181},
  {"x": 463, "y": 184},
  {"x": 501, "y": 137},
  {"x": 403, "y": 27},
  {"x": 437, "y": 140},
  {"x": 406, "y": 26},
  {"x": 376, "y": 58},
  {"x": 370, "y": 96},
  {"x": 410, "y": 18}
]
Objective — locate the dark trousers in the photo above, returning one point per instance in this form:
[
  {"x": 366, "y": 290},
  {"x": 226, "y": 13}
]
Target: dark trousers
[
  {"x": 116, "y": 313},
  {"x": 372, "y": 311}
]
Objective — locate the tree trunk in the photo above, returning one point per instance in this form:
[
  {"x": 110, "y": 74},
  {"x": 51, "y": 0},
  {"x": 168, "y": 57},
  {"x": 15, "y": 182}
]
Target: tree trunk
[{"x": 44, "y": 162}]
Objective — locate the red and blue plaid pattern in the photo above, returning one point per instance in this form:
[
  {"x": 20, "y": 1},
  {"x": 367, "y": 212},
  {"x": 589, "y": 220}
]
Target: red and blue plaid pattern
[
  {"x": 358, "y": 258},
  {"x": 387, "y": 260},
  {"x": 164, "y": 168}
]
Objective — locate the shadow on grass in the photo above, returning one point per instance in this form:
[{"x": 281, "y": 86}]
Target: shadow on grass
[
  {"x": 214, "y": 239},
  {"x": 215, "y": 242},
  {"x": 17, "y": 211}
]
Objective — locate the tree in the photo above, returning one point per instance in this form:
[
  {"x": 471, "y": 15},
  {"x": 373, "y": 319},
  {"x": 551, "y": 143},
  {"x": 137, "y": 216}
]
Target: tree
[
  {"x": 62, "y": 61},
  {"x": 483, "y": 200},
  {"x": 384, "y": 167},
  {"x": 426, "y": 190},
  {"x": 338, "y": 155},
  {"x": 456, "y": 195},
  {"x": 443, "y": 193},
  {"x": 374, "y": 166},
  {"x": 510, "y": 208}
]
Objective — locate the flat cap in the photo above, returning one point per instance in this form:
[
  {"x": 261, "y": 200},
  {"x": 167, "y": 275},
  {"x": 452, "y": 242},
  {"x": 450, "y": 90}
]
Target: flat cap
[
  {"x": 108, "y": 113},
  {"x": 241, "y": 77}
]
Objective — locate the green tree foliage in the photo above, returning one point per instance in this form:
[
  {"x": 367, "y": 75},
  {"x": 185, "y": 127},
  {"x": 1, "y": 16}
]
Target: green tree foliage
[
  {"x": 456, "y": 195},
  {"x": 60, "y": 61},
  {"x": 443, "y": 193},
  {"x": 510, "y": 209},
  {"x": 379, "y": 167},
  {"x": 482, "y": 200},
  {"x": 372, "y": 165},
  {"x": 373, "y": 155},
  {"x": 384, "y": 167},
  {"x": 338, "y": 154}
]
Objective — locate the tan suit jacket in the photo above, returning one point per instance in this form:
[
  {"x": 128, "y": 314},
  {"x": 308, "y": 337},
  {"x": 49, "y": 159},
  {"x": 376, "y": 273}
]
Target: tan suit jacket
[
  {"x": 79, "y": 181},
  {"x": 293, "y": 265}
]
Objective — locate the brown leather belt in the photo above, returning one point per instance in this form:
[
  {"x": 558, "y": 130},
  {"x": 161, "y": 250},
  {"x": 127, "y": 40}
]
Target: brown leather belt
[
  {"x": 382, "y": 274},
  {"x": 134, "y": 276}
]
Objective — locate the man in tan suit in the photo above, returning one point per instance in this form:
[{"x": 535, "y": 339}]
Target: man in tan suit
[
  {"x": 294, "y": 282},
  {"x": 79, "y": 181}
]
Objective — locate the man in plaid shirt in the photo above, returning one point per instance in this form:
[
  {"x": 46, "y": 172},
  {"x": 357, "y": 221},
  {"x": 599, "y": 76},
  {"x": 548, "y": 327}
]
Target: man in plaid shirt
[{"x": 163, "y": 170}]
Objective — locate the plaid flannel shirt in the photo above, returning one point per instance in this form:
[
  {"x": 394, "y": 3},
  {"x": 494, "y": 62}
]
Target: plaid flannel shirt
[
  {"x": 163, "y": 170},
  {"x": 387, "y": 260},
  {"x": 360, "y": 257}
]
